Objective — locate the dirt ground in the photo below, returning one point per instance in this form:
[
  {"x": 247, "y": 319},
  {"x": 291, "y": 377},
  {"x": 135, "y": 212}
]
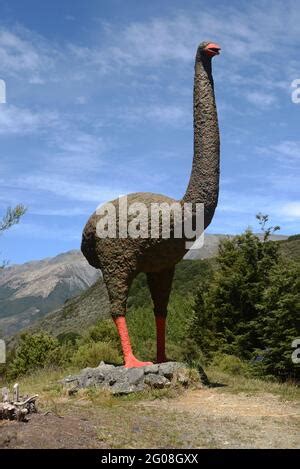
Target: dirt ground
[{"x": 202, "y": 418}]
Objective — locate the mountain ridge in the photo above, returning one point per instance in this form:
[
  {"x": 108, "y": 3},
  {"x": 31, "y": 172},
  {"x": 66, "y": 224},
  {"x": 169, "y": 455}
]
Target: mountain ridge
[{"x": 50, "y": 291}]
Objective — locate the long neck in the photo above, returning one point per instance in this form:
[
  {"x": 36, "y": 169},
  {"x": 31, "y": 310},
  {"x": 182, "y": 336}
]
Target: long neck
[{"x": 203, "y": 185}]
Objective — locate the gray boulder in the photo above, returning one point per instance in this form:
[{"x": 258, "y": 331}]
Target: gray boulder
[{"x": 120, "y": 380}]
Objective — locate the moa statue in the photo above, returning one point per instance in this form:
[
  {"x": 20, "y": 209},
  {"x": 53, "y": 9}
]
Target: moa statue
[{"x": 122, "y": 258}]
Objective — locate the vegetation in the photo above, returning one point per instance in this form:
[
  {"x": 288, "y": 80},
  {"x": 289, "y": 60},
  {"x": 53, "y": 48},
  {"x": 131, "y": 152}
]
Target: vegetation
[
  {"x": 249, "y": 309},
  {"x": 236, "y": 314},
  {"x": 11, "y": 217}
]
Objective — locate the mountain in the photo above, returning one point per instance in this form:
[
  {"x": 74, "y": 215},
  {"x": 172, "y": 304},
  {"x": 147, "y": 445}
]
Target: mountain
[
  {"x": 44, "y": 294},
  {"x": 31, "y": 290},
  {"x": 210, "y": 243},
  {"x": 79, "y": 313}
]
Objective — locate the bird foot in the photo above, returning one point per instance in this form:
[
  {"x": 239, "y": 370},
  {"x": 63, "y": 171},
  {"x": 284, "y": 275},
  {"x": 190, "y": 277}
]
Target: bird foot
[{"x": 132, "y": 362}]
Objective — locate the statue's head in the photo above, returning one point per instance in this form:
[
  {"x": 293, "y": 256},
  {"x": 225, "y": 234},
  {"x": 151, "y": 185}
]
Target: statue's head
[{"x": 208, "y": 49}]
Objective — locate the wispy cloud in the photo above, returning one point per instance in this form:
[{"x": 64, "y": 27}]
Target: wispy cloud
[
  {"x": 18, "y": 120},
  {"x": 99, "y": 113},
  {"x": 49, "y": 231},
  {"x": 157, "y": 114},
  {"x": 261, "y": 99},
  {"x": 291, "y": 210},
  {"x": 247, "y": 37},
  {"x": 70, "y": 189},
  {"x": 287, "y": 151},
  {"x": 25, "y": 54}
]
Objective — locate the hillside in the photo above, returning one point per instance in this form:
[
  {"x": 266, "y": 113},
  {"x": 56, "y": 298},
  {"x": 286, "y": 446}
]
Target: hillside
[
  {"x": 31, "y": 290},
  {"x": 291, "y": 247},
  {"x": 79, "y": 313},
  {"x": 44, "y": 294},
  {"x": 93, "y": 304}
]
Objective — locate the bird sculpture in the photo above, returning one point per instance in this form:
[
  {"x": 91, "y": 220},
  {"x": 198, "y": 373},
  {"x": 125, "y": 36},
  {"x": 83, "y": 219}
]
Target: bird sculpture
[{"x": 121, "y": 258}]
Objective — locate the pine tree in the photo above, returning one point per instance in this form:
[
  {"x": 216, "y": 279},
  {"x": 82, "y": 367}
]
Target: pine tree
[
  {"x": 226, "y": 311},
  {"x": 279, "y": 321}
]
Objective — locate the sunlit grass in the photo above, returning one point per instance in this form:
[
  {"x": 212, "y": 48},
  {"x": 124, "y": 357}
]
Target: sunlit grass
[{"x": 241, "y": 384}]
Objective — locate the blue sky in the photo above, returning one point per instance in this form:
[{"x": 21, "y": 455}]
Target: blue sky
[{"x": 99, "y": 103}]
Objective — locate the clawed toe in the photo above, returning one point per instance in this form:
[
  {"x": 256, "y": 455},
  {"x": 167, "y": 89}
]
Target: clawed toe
[{"x": 133, "y": 362}]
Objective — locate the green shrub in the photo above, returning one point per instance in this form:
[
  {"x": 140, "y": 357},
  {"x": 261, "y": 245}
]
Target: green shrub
[
  {"x": 68, "y": 338},
  {"x": 231, "y": 364},
  {"x": 103, "y": 331},
  {"x": 279, "y": 322},
  {"x": 33, "y": 351},
  {"x": 91, "y": 354},
  {"x": 249, "y": 309}
]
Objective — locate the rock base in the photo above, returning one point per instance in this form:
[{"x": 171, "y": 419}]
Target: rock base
[{"x": 120, "y": 380}]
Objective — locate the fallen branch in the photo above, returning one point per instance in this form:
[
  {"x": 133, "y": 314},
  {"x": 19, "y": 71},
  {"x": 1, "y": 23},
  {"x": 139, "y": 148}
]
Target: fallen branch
[{"x": 16, "y": 408}]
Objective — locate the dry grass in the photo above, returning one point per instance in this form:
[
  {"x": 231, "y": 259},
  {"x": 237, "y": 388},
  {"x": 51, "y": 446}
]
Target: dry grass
[
  {"x": 251, "y": 386},
  {"x": 241, "y": 413}
]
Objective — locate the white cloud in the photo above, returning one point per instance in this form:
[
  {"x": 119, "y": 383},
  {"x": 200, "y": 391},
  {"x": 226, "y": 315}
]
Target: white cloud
[
  {"x": 60, "y": 212},
  {"x": 69, "y": 189},
  {"x": 167, "y": 114},
  {"x": 82, "y": 143},
  {"x": 253, "y": 45},
  {"x": 68, "y": 146},
  {"x": 247, "y": 37},
  {"x": 81, "y": 100},
  {"x": 287, "y": 151},
  {"x": 17, "y": 120},
  {"x": 291, "y": 209},
  {"x": 42, "y": 231},
  {"x": 24, "y": 52},
  {"x": 161, "y": 40},
  {"x": 261, "y": 99},
  {"x": 17, "y": 54},
  {"x": 277, "y": 206}
]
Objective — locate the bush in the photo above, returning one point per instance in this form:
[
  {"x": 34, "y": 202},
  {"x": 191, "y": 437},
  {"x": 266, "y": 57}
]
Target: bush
[
  {"x": 279, "y": 322},
  {"x": 104, "y": 331},
  {"x": 91, "y": 354},
  {"x": 68, "y": 338},
  {"x": 250, "y": 308},
  {"x": 231, "y": 364},
  {"x": 33, "y": 351}
]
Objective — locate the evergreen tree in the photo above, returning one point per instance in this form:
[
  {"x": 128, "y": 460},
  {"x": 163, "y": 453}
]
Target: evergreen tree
[
  {"x": 279, "y": 322},
  {"x": 226, "y": 312}
]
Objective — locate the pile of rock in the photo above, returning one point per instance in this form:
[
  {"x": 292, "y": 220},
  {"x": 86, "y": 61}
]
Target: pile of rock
[{"x": 120, "y": 380}]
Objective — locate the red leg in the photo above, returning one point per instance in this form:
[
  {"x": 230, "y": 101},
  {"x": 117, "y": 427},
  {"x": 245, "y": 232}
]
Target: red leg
[
  {"x": 161, "y": 338},
  {"x": 129, "y": 358}
]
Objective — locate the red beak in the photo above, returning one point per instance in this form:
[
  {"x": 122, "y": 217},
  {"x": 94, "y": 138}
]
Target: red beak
[{"x": 212, "y": 49}]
